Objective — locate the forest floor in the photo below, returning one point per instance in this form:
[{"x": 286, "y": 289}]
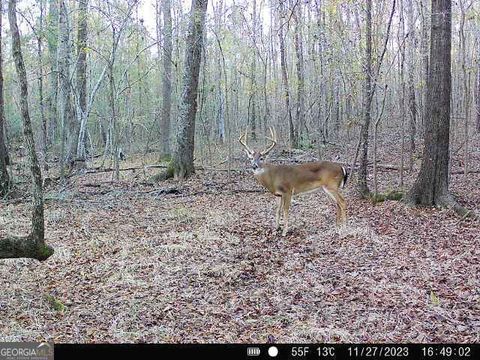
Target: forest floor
[{"x": 200, "y": 261}]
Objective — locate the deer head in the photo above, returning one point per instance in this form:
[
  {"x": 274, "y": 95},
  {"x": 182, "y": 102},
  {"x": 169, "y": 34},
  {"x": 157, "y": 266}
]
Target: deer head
[{"x": 256, "y": 156}]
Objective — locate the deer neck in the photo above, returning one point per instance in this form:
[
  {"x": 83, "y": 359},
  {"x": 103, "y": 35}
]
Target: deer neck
[{"x": 263, "y": 175}]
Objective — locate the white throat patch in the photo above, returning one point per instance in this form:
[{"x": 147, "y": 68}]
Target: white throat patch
[{"x": 258, "y": 171}]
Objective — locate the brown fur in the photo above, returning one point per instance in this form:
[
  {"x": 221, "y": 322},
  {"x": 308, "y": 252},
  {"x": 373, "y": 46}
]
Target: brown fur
[{"x": 289, "y": 180}]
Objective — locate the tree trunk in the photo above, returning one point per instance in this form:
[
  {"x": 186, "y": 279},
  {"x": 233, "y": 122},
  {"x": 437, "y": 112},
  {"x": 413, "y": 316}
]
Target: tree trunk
[
  {"x": 40, "y": 86},
  {"x": 64, "y": 99},
  {"x": 182, "y": 161},
  {"x": 431, "y": 185},
  {"x": 220, "y": 98},
  {"x": 412, "y": 105},
  {"x": 477, "y": 85},
  {"x": 300, "y": 67},
  {"x": 362, "y": 186},
  {"x": 253, "y": 74},
  {"x": 33, "y": 245},
  {"x": 477, "y": 90},
  {"x": 425, "y": 11},
  {"x": 283, "y": 64},
  {"x": 4, "y": 178},
  {"x": 166, "y": 79},
  {"x": 82, "y": 77},
  {"x": 52, "y": 41},
  {"x": 403, "y": 108}
]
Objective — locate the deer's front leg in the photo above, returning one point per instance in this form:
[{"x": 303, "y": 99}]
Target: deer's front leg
[
  {"x": 279, "y": 212},
  {"x": 287, "y": 199}
]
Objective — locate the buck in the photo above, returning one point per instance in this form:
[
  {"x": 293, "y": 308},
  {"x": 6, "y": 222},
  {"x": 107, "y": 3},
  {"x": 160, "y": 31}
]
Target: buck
[{"x": 285, "y": 181}]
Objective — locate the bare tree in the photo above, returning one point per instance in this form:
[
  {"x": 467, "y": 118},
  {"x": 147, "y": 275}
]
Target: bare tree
[
  {"x": 81, "y": 85},
  {"x": 253, "y": 75},
  {"x": 362, "y": 185},
  {"x": 182, "y": 161},
  {"x": 64, "y": 90},
  {"x": 371, "y": 77},
  {"x": 412, "y": 104},
  {"x": 283, "y": 64},
  {"x": 51, "y": 30},
  {"x": 300, "y": 68},
  {"x": 4, "y": 177},
  {"x": 166, "y": 79},
  {"x": 33, "y": 245},
  {"x": 477, "y": 86},
  {"x": 431, "y": 185}
]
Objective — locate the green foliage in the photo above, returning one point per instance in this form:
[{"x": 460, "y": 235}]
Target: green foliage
[
  {"x": 165, "y": 158},
  {"x": 54, "y": 303},
  {"x": 305, "y": 143},
  {"x": 394, "y": 195}
]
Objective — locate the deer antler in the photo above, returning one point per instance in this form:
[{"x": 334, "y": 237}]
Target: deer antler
[
  {"x": 273, "y": 139},
  {"x": 243, "y": 141}
]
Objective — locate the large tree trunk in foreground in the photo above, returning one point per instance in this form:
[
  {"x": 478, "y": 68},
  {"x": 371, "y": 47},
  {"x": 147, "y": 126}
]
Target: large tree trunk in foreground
[
  {"x": 182, "y": 161},
  {"x": 32, "y": 246},
  {"x": 4, "y": 178},
  {"x": 431, "y": 186}
]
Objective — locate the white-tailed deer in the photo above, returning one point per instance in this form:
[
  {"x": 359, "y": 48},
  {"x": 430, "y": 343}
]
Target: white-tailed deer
[{"x": 288, "y": 180}]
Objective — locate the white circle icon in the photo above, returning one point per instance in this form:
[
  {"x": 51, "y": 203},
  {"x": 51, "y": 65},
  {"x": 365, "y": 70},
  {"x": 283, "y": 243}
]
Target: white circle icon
[{"x": 273, "y": 351}]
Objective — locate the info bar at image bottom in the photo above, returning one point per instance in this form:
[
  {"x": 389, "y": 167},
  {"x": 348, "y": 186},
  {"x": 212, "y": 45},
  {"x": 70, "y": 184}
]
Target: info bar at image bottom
[{"x": 270, "y": 351}]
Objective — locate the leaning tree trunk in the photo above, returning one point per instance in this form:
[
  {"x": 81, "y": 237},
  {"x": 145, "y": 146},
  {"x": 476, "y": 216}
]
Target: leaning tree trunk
[
  {"x": 431, "y": 185},
  {"x": 182, "y": 161},
  {"x": 4, "y": 178},
  {"x": 33, "y": 245}
]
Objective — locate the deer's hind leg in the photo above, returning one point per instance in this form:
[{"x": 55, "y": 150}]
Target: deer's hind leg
[{"x": 333, "y": 193}]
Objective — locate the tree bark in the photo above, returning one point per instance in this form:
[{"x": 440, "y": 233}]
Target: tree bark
[
  {"x": 4, "y": 177},
  {"x": 81, "y": 80},
  {"x": 412, "y": 104},
  {"x": 300, "y": 67},
  {"x": 166, "y": 79},
  {"x": 52, "y": 40},
  {"x": 33, "y": 245},
  {"x": 64, "y": 94},
  {"x": 362, "y": 186},
  {"x": 283, "y": 64},
  {"x": 477, "y": 89},
  {"x": 431, "y": 185},
  {"x": 253, "y": 75},
  {"x": 40, "y": 85},
  {"x": 182, "y": 161}
]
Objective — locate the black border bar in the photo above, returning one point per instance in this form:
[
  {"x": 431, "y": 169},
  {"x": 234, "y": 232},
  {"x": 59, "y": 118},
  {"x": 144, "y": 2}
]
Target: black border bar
[{"x": 261, "y": 351}]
